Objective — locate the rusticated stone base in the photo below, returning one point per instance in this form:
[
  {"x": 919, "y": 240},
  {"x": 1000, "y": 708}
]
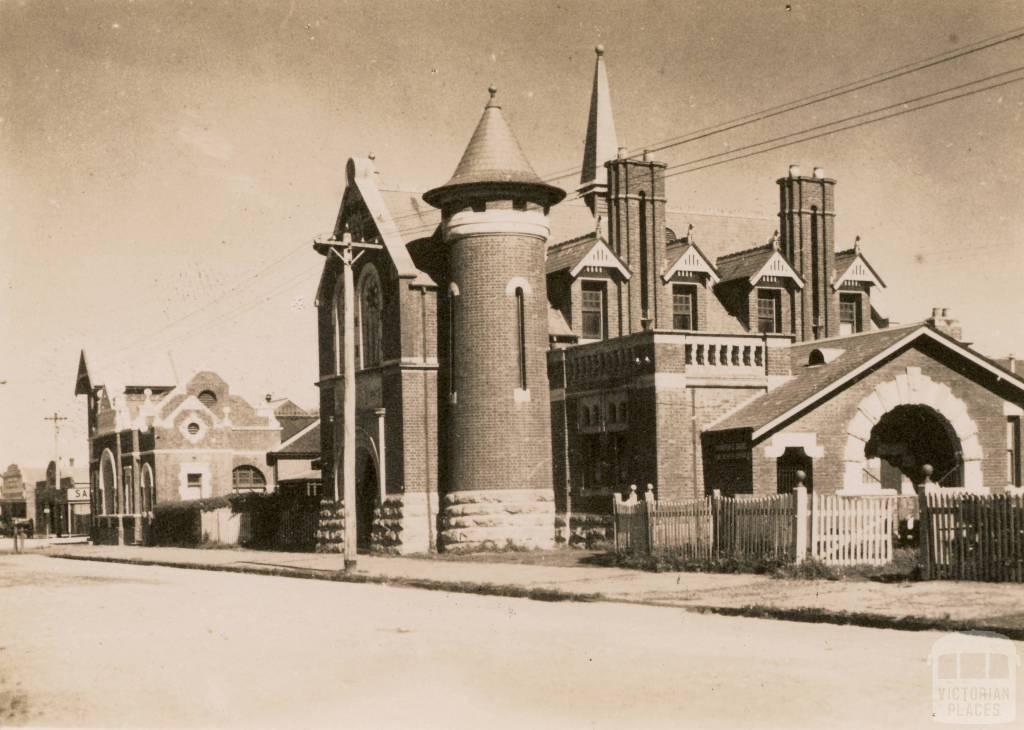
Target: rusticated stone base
[
  {"x": 330, "y": 531},
  {"x": 585, "y": 529},
  {"x": 401, "y": 524},
  {"x": 497, "y": 519}
]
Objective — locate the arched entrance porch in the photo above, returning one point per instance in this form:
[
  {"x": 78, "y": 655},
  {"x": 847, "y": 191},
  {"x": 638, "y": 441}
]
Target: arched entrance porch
[
  {"x": 937, "y": 409},
  {"x": 910, "y": 436}
]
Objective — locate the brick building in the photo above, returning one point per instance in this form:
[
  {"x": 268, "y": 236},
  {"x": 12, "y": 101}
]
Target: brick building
[
  {"x": 156, "y": 443},
  {"x": 520, "y": 359}
]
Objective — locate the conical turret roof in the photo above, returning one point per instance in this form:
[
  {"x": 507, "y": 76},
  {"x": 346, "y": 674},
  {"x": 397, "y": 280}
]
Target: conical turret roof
[{"x": 494, "y": 159}]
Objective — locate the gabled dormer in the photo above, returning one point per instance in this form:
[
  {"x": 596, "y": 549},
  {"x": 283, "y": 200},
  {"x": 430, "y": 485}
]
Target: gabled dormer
[
  {"x": 687, "y": 287},
  {"x": 761, "y": 288},
  {"x": 585, "y": 282},
  {"x": 854, "y": 280}
]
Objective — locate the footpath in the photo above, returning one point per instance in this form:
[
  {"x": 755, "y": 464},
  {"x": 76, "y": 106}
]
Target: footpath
[{"x": 939, "y": 605}]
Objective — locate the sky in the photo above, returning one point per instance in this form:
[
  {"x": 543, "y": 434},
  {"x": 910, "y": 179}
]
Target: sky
[{"x": 164, "y": 166}]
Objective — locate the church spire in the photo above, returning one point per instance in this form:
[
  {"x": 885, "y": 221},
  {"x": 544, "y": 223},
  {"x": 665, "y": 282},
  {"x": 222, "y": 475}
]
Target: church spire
[{"x": 601, "y": 143}]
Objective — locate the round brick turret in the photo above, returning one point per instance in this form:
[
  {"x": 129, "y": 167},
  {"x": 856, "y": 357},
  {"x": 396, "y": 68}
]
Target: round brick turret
[{"x": 498, "y": 458}]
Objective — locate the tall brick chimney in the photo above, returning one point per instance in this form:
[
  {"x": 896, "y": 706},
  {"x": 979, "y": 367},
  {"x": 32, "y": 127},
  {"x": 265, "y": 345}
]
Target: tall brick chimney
[
  {"x": 806, "y": 225},
  {"x": 636, "y": 232},
  {"x": 944, "y": 322}
]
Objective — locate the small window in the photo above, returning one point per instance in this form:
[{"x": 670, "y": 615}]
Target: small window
[
  {"x": 849, "y": 314},
  {"x": 595, "y": 298},
  {"x": 1013, "y": 451},
  {"x": 768, "y": 315},
  {"x": 194, "y": 482},
  {"x": 193, "y": 428},
  {"x": 684, "y": 308},
  {"x": 208, "y": 398},
  {"x": 247, "y": 478}
]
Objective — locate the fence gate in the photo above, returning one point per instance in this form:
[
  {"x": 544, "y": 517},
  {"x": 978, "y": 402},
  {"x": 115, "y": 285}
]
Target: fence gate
[{"x": 852, "y": 530}]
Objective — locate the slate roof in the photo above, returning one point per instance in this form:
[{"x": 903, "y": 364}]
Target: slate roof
[
  {"x": 807, "y": 381},
  {"x": 291, "y": 425},
  {"x": 302, "y": 445},
  {"x": 744, "y": 264}
]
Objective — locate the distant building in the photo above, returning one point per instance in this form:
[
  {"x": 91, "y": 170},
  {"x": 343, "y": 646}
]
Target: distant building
[
  {"x": 17, "y": 493},
  {"x": 155, "y": 443},
  {"x": 65, "y": 510},
  {"x": 521, "y": 359},
  {"x": 296, "y": 462}
]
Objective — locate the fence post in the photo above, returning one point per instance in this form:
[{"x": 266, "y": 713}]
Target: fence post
[
  {"x": 800, "y": 494},
  {"x": 649, "y": 510},
  {"x": 925, "y": 533},
  {"x": 716, "y": 497}
]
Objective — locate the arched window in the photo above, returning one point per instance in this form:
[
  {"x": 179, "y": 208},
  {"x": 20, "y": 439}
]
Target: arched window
[
  {"x": 247, "y": 478},
  {"x": 148, "y": 488},
  {"x": 208, "y": 398},
  {"x": 108, "y": 484},
  {"x": 369, "y": 313}
]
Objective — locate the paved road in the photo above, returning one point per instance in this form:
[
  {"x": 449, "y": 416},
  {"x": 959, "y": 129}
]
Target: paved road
[{"x": 92, "y": 644}]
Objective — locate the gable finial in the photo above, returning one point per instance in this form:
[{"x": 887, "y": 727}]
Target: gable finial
[
  {"x": 774, "y": 241},
  {"x": 856, "y": 245},
  {"x": 689, "y": 233}
]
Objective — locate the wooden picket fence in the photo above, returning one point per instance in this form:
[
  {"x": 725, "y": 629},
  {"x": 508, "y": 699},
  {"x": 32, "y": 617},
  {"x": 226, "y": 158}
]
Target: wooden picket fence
[
  {"x": 972, "y": 536},
  {"x": 716, "y": 526},
  {"x": 852, "y": 530},
  {"x": 756, "y": 527}
]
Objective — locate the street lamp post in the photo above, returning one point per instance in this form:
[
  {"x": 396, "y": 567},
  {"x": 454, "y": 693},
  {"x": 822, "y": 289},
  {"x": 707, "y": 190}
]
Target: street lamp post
[{"x": 345, "y": 250}]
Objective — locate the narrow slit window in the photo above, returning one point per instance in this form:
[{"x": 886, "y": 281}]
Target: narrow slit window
[{"x": 521, "y": 335}]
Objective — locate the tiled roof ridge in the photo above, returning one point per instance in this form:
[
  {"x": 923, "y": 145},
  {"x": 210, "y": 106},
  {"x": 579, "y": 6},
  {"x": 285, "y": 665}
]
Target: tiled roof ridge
[
  {"x": 745, "y": 252},
  {"x": 837, "y": 338},
  {"x": 569, "y": 241}
]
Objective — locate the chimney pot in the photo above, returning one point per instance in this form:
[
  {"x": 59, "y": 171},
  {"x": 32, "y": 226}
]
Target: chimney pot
[
  {"x": 945, "y": 311},
  {"x": 794, "y": 170},
  {"x": 936, "y": 312},
  {"x": 1013, "y": 363},
  {"x": 623, "y": 153},
  {"x": 819, "y": 172}
]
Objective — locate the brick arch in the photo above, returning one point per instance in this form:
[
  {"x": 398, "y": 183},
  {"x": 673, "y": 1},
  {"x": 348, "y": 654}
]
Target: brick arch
[{"x": 910, "y": 388}]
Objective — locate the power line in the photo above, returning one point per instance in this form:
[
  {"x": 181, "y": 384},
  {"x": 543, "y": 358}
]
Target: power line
[
  {"x": 850, "y": 118},
  {"x": 849, "y": 87},
  {"x": 846, "y": 128}
]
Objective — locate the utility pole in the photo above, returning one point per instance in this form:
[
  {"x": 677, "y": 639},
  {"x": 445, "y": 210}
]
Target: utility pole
[
  {"x": 57, "y": 420},
  {"x": 345, "y": 250}
]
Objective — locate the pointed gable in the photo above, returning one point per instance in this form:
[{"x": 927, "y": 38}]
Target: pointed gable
[
  {"x": 851, "y": 266},
  {"x": 691, "y": 260}
]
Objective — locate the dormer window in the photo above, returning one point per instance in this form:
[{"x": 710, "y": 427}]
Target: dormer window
[
  {"x": 769, "y": 319},
  {"x": 684, "y": 307},
  {"x": 849, "y": 314},
  {"x": 595, "y": 306}
]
